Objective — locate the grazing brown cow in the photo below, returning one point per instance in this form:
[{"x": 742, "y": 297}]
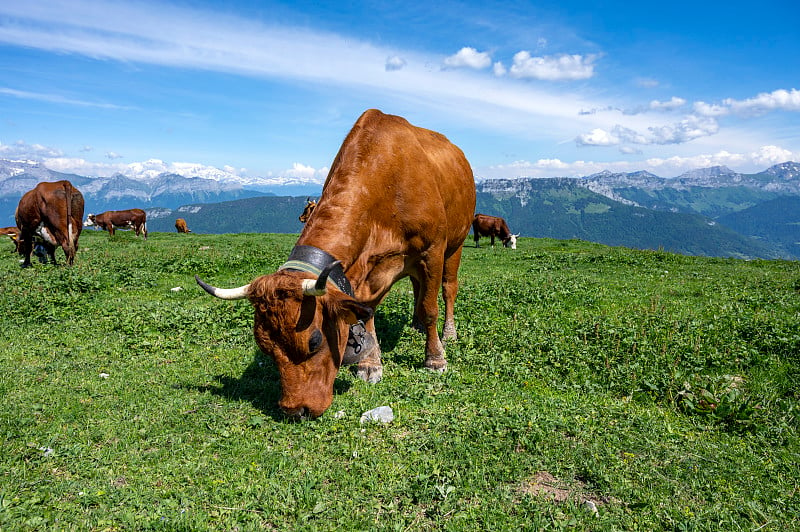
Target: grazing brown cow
[
  {"x": 398, "y": 202},
  {"x": 135, "y": 219},
  {"x": 310, "y": 204},
  {"x": 13, "y": 233},
  {"x": 180, "y": 226},
  {"x": 493, "y": 226},
  {"x": 52, "y": 213}
]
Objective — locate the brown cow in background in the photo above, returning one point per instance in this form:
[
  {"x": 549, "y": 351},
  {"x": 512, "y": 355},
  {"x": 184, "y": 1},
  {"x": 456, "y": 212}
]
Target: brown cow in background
[
  {"x": 493, "y": 226},
  {"x": 398, "y": 202},
  {"x": 13, "y": 234},
  {"x": 135, "y": 219},
  {"x": 309, "y": 208},
  {"x": 52, "y": 214},
  {"x": 180, "y": 226}
]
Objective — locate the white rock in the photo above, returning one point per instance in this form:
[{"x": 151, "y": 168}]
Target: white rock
[{"x": 383, "y": 414}]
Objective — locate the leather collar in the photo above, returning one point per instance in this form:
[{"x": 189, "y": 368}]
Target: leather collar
[{"x": 312, "y": 260}]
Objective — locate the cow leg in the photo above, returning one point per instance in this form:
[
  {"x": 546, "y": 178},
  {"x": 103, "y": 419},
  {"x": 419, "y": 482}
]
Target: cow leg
[
  {"x": 50, "y": 250},
  {"x": 370, "y": 368},
  {"x": 25, "y": 247},
  {"x": 449, "y": 293},
  {"x": 492, "y": 241},
  {"x": 430, "y": 276},
  {"x": 416, "y": 320},
  {"x": 476, "y": 240}
]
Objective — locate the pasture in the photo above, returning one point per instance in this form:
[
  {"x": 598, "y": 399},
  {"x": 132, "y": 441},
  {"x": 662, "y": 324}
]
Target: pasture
[{"x": 591, "y": 388}]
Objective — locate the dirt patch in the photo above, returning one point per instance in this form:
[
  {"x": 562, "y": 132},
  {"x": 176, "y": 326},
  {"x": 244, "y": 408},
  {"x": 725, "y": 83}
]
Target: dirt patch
[{"x": 543, "y": 483}]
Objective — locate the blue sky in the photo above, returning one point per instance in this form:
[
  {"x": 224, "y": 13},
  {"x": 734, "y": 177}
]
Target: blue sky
[{"x": 263, "y": 88}]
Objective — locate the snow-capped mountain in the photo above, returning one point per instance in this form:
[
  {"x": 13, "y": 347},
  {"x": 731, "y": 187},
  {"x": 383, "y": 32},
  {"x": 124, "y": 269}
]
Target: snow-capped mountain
[{"x": 146, "y": 185}]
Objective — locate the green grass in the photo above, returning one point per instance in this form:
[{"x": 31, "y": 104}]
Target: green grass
[{"x": 662, "y": 387}]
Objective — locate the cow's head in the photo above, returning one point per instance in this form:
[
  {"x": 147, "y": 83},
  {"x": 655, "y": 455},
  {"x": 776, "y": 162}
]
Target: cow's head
[
  {"x": 309, "y": 208},
  {"x": 511, "y": 241},
  {"x": 89, "y": 221},
  {"x": 304, "y": 327}
]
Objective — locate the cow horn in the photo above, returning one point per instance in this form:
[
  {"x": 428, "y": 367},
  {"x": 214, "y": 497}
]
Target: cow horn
[
  {"x": 224, "y": 293},
  {"x": 319, "y": 287}
]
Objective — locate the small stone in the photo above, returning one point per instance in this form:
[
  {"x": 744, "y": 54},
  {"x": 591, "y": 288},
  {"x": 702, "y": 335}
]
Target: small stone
[
  {"x": 383, "y": 414},
  {"x": 591, "y": 506},
  {"x": 176, "y": 289}
]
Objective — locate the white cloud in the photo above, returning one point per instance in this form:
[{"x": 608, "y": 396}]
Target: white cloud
[
  {"x": 56, "y": 98},
  {"x": 628, "y": 150},
  {"x": 708, "y": 109},
  {"x": 499, "y": 69},
  {"x": 597, "y": 137},
  {"x": 629, "y": 135},
  {"x": 767, "y": 101},
  {"x": 113, "y": 155},
  {"x": 554, "y": 67},
  {"x": 669, "y": 105},
  {"x": 688, "y": 129},
  {"x": 23, "y": 150},
  {"x": 646, "y": 83},
  {"x": 307, "y": 173},
  {"x": 82, "y": 166},
  {"x": 394, "y": 62},
  {"x": 778, "y": 100},
  {"x": 771, "y": 155},
  {"x": 468, "y": 57}
]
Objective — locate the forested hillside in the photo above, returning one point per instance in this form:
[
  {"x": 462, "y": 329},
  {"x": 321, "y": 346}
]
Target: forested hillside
[
  {"x": 777, "y": 220},
  {"x": 563, "y": 209},
  {"x": 560, "y": 210}
]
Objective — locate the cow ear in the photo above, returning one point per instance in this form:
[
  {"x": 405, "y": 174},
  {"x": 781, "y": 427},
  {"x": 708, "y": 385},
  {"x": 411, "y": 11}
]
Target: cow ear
[{"x": 355, "y": 311}]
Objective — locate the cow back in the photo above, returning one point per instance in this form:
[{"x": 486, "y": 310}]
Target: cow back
[{"x": 393, "y": 189}]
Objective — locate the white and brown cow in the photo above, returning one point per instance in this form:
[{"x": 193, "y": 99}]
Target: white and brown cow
[
  {"x": 398, "y": 202},
  {"x": 493, "y": 226},
  {"x": 135, "y": 219},
  {"x": 51, "y": 214}
]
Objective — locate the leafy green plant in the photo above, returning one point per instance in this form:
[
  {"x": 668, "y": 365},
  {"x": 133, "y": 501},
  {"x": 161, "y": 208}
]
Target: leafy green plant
[{"x": 721, "y": 398}]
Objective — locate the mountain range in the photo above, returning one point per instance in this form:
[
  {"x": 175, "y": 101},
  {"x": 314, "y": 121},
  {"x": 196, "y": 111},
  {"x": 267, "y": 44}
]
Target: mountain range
[{"x": 711, "y": 211}]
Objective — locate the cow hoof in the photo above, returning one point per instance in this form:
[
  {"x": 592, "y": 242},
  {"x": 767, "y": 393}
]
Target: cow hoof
[
  {"x": 368, "y": 373},
  {"x": 436, "y": 364},
  {"x": 449, "y": 333}
]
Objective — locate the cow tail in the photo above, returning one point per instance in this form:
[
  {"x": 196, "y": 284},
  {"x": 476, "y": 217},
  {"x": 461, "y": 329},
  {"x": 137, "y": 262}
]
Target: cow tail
[{"x": 70, "y": 237}]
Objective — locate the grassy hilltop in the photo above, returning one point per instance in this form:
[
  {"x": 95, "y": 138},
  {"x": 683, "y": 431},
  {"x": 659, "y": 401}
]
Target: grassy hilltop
[{"x": 662, "y": 389}]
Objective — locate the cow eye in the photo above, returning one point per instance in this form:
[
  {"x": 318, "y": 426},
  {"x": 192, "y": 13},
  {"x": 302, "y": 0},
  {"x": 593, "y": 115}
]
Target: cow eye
[{"x": 315, "y": 341}]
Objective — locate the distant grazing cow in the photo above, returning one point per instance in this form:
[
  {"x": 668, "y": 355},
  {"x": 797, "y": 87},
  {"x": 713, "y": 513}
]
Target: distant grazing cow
[
  {"x": 398, "y": 202},
  {"x": 493, "y": 226},
  {"x": 310, "y": 204},
  {"x": 180, "y": 226},
  {"x": 135, "y": 219},
  {"x": 52, "y": 213},
  {"x": 13, "y": 233}
]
